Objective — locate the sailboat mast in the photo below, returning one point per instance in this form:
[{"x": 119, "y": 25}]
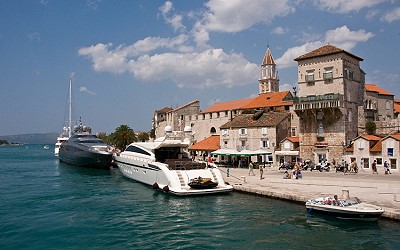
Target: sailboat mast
[{"x": 70, "y": 109}]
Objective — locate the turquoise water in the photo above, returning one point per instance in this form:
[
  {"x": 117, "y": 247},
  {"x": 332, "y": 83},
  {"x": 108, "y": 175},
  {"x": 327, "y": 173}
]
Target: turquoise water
[{"x": 49, "y": 205}]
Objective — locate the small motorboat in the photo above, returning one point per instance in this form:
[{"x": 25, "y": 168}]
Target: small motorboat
[
  {"x": 348, "y": 208},
  {"x": 200, "y": 183}
]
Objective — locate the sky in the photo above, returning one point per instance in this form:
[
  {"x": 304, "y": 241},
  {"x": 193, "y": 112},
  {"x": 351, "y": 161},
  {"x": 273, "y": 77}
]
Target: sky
[{"x": 127, "y": 59}]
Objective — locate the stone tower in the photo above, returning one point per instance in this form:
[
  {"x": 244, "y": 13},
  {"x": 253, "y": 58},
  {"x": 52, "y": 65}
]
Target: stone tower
[
  {"x": 269, "y": 79},
  {"x": 331, "y": 90}
]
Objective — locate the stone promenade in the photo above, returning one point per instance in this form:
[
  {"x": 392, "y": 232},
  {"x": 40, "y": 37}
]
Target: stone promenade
[{"x": 379, "y": 189}]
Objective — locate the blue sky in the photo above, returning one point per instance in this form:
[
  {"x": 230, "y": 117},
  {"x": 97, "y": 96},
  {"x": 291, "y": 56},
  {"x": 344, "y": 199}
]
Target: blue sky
[{"x": 128, "y": 58}]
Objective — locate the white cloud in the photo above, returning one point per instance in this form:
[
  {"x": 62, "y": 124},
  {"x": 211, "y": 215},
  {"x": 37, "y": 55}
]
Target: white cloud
[
  {"x": 287, "y": 59},
  {"x": 346, "y": 6},
  {"x": 279, "y": 31},
  {"x": 206, "y": 68},
  {"x": 86, "y": 90},
  {"x": 392, "y": 16},
  {"x": 174, "y": 20},
  {"x": 232, "y": 16},
  {"x": 341, "y": 37},
  {"x": 346, "y": 39}
]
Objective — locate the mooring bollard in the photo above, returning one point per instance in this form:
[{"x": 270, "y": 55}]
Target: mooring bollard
[{"x": 227, "y": 172}]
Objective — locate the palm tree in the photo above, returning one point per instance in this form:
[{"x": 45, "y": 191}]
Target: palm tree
[{"x": 123, "y": 136}]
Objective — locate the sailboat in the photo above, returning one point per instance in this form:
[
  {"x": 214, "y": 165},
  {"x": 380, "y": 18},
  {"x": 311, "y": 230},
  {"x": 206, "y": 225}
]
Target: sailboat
[{"x": 67, "y": 129}]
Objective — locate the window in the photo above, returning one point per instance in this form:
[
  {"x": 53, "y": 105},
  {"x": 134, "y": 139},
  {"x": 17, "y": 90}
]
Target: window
[
  {"x": 378, "y": 161},
  {"x": 242, "y": 131},
  {"x": 328, "y": 75},
  {"x": 293, "y": 131},
  {"x": 349, "y": 115},
  {"x": 264, "y": 144},
  {"x": 310, "y": 77},
  {"x": 243, "y": 144},
  {"x": 387, "y": 105},
  {"x": 224, "y": 132},
  {"x": 361, "y": 144},
  {"x": 286, "y": 145},
  {"x": 213, "y": 130},
  {"x": 390, "y": 151},
  {"x": 264, "y": 131},
  {"x": 320, "y": 129}
]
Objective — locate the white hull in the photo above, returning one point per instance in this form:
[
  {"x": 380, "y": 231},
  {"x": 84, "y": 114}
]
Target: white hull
[
  {"x": 346, "y": 210},
  {"x": 159, "y": 175},
  {"x": 57, "y": 146}
]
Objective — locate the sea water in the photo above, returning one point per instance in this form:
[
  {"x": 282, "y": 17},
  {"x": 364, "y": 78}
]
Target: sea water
[{"x": 46, "y": 204}]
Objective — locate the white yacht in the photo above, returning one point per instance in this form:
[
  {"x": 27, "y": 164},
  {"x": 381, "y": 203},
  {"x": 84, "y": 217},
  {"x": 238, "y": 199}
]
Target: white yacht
[
  {"x": 67, "y": 129},
  {"x": 166, "y": 164}
]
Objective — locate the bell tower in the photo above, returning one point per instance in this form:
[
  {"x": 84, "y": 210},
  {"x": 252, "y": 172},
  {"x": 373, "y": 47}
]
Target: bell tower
[{"x": 269, "y": 79}]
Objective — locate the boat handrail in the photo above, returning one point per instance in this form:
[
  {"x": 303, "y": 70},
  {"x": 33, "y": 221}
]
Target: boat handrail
[{"x": 177, "y": 164}]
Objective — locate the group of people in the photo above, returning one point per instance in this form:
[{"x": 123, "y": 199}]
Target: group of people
[
  {"x": 386, "y": 167},
  {"x": 251, "y": 170},
  {"x": 296, "y": 174}
]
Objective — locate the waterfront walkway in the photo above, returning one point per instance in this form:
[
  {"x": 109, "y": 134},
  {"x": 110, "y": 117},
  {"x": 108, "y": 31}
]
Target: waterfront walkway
[{"x": 379, "y": 189}]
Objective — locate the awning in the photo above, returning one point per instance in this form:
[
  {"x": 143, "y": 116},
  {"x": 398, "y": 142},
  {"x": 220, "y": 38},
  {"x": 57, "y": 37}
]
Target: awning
[
  {"x": 246, "y": 152},
  {"x": 293, "y": 152},
  {"x": 262, "y": 152},
  {"x": 225, "y": 151}
]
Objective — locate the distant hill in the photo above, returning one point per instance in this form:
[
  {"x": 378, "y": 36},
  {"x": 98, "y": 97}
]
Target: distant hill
[{"x": 47, "y": 138}]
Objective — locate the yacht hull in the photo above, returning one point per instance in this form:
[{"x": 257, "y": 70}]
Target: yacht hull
[
  {"x": 159, "y": 175},
  {"x": 84, "y": 157}
]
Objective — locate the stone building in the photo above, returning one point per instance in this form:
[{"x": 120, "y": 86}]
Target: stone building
[
  {"x": 174, "y": 117},
  {"x": 330, "y": 81},
  {"x": 379, "y": 108}
]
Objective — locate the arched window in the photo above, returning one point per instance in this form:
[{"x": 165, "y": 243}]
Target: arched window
[
  {"x": 213, "y": 130},
  {"x": 387, "y": 105}
]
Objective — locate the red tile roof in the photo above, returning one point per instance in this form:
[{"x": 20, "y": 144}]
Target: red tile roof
[
  {"x": 209, "y": 144},
  {"x": 164, "y": 110},
  {"x": 324, "y": 51},
  {"x": 267, "y": 119},
  {"x": 293, "y": 139},
  {"x": 377, "y": 147},
  {"x": 370, "y": 137},
  {"x": 396, "y": 108},
  {"x": 395, "y": 136},
  {"x": 225, "y": 106},
  {"x": 374, "y": 88},
  {"x": 270, "y": 100}
]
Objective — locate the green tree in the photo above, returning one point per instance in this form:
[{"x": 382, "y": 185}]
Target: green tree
[
  {"x": 370, "y": 127},
  {"x": 143, "y": 136},
  {"x": 152, "y": 133},
  {"x": 123, "y": 136}
]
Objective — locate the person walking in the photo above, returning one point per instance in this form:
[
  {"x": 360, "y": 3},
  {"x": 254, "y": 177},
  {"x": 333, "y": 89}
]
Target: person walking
[
  {"x": 374, "y": 170},
  {"x": 261, "y": 172},
  {"x": 251, "y": 168},
  {"x": 386, "y": 167}
]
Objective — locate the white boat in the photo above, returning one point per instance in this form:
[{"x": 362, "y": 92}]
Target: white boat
[
  {"x": 348, "y": 208},
  {"x": 166, "y": 164},
  {"x": 67, "y": 129}
]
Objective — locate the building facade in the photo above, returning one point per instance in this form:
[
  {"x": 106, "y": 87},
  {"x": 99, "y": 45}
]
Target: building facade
[{"x": 329, "y": 82}]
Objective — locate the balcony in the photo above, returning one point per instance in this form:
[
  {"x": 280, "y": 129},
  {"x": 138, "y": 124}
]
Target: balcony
[{"x": 318, "y": 102}]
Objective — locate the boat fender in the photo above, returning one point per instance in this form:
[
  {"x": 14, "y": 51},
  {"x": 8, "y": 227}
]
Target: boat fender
[
  {"x": 155, "y": 185},
  {"x": 165, "y": 189}
]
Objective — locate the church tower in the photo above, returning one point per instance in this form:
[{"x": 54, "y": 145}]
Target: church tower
[{"x": 269, "y": 79}]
